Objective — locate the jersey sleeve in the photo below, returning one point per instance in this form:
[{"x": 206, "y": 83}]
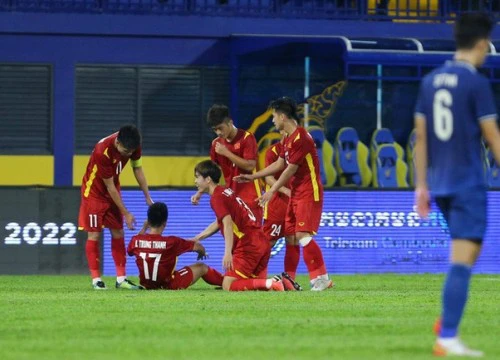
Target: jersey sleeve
[
  {"x": 218, "y": 203},
  {"x": 271, "y": 155},
  {"x": 131, "y": 247},
  {"x": 104, "y": 166},
  {"x": 135, "y": 159},
  {"x": 300, "y": 148},
  {"x": 484, "y": 101},
  {"x": 419, "y": 106},
  {"x": 182, "y": 246},
  {"x": 249, "y": 147}
]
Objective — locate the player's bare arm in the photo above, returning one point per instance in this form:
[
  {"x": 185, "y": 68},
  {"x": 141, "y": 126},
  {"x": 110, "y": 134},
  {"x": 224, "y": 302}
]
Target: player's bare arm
[
  {"x": 143, "y": 184},
  {"x": 144, "y": 228},
  {"x": 290, "y": 170},
  {"x": 195, "y": 199},
  {"x": 489, "y": 129},
  {"x": 227, "y": 261},
  {"x": 243, "y": 164},
  {"x": 271, "y": 180},
  {"x": 422, "y": 198},
  {"x": 117, "y": 199},
  {"x": 270, "y": 170},
  {"x": 209, "y": 231}
]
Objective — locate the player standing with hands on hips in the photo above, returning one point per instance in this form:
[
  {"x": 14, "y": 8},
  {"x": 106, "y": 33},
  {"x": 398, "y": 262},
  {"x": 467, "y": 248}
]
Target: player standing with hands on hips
[
  {"x": 101, "y": 202},
  {"x": 455, "y": 107}
]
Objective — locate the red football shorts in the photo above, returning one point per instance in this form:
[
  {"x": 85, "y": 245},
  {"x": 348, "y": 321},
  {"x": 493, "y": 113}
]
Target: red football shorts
[
  {"x": 250, "y": 257},
  {"x": 96, "y": 214},
  {"x": 181, "y": 279},
  {"x": 303, "y": 215},
  {"x": 274, "y": 218}
]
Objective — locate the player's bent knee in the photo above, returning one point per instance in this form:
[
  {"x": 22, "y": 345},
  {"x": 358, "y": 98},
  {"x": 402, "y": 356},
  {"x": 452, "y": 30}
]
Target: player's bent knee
[
  {"x": 226, "y": 283},
  {"x": 305, "y": 240}
]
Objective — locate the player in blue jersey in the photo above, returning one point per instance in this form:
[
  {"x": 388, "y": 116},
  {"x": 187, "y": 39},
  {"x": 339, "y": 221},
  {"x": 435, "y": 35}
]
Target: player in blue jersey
[{"x": 455, "y": 107}]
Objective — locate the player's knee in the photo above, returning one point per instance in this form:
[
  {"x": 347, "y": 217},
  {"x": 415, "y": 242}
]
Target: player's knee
[
  {"x": 226, "y": 284},
  {"x": 305, "y": 240},
  {"x": 203, "y": 268}
]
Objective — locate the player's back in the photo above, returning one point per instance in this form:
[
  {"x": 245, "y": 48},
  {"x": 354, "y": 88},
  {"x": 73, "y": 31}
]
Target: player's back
[
  {"x": 453, "y": 99},
  {"x": 225, "y": 202},
  {"x": 156, "y": 256}
]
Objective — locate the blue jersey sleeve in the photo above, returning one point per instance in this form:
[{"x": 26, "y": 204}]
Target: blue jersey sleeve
[
  {"x": 483, "y": 100},
  {"x": 419, "y": 106}
]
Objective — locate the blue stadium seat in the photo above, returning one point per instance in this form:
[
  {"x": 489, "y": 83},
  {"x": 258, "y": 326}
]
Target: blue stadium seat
[
  {"x": 380, "y": 137},
  {"x": 390, "y": 170},
  {"x": 325, "y": 154},
  {"x": 351, "y": 159}
]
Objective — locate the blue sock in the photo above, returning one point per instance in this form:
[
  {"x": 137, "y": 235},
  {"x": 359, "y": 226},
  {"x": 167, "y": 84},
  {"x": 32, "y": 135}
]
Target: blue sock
[{"x": 455, "y": 292}]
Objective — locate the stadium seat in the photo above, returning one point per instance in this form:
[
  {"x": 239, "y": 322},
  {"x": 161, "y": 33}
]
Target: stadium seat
[
  {"x": 325, "y": 154},
  {"x": 351, "y": 159},
  {"x": 410, "y": 157},
  {"x": 380, "y": 137},
  {"x": 390, "y": 170}
]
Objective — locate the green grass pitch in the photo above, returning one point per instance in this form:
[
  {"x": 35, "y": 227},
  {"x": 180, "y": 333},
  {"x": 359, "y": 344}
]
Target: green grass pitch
[{"x": 363, "y": 317}]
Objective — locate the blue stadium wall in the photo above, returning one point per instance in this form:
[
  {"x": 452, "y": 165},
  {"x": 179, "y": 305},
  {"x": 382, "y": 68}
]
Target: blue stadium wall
[{"x": 64, "y": 41}]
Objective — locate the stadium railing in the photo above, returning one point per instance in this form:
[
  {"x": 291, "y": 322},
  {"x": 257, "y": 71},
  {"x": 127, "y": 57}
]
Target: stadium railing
[{"x": 388, "y": 10}]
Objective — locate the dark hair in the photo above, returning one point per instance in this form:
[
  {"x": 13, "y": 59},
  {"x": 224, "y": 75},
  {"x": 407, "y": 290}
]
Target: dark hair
[
  {"x": 471, "y": 28},
  {"x": 217, "y": 114},
  {"x": 286, "y": 106},
  {"x": 157, "y": 214},
  {"x": 209, "y": 168},
  {"x": 129, "y": 137}
]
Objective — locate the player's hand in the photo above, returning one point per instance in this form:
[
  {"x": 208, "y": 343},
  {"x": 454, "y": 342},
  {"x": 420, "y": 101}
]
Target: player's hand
[
  {"x": 195, "y": 199},
  {"x": 423, "y": 202},
  {"x": 243, "y": 178},
  {"x": 221, "y": 149},
  {"x": 264, "y": 199},
  {"x": 227, "y": 262},
  {"x": 130, "y": 220}
]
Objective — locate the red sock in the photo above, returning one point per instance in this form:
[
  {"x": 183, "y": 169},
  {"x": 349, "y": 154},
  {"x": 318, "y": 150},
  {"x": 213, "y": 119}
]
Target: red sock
[
  {"x": 314, "y": 260},
  {"x": 248, "y": 284},
  {"x": 292, "y": 258},
  {"x": 93, "y": 258},
  {"x": 213, "y": 277},
  {"x": 118, "y": 252}
]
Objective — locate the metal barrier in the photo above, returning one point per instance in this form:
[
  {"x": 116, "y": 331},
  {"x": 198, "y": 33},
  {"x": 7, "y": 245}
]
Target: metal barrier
[{"x": 410, "y": 10}]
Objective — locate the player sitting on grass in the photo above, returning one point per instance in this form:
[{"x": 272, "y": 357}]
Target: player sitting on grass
[
  {"x": 246, "y": 251},
  {"x": 156, "y": 256}
]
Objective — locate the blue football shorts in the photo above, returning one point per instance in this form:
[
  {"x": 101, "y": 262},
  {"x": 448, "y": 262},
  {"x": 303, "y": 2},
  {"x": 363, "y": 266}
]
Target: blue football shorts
[{"x": 465, "y": 213}]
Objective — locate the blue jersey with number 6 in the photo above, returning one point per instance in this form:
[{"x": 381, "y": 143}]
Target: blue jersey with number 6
[{"x": 454, "y": 99}]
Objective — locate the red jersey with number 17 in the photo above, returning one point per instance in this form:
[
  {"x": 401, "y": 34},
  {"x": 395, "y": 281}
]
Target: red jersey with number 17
[
  {"x": 225, "y": 202},
  {"x": 299, "y": 149},
  {"x": 156, "y": 256},
  {"x": 104, "y": 163},
  {"x": 243, "y": 145}
]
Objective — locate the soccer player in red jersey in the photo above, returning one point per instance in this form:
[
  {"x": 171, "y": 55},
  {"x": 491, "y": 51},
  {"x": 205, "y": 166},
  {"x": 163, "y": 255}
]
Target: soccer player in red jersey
[
  {"x": 156, "y": 255},
  {"x": 246, "y": 251},
  {"x": 235, "y": 151},
  {"x": 274, "y": 219},
  {"x": 101, "y": 202},
  {"x": 300, "y": 162}
]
